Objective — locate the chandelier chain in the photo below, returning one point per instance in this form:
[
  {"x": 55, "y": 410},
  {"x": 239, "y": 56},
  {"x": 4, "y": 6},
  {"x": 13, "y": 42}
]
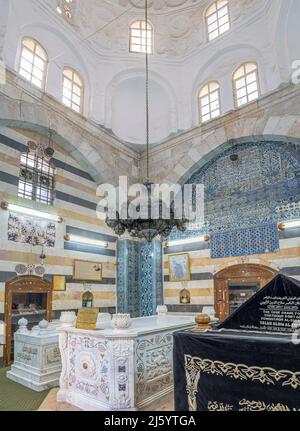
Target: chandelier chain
[
  {"x": 147, "y": 228},
  {"x": 147, "y": 90}
]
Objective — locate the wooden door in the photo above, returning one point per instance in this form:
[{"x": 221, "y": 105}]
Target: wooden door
[
  {"x": 221, "y": 300},
  {"x": 239, "y": 273},
  {"x": 23, "y": 284}
]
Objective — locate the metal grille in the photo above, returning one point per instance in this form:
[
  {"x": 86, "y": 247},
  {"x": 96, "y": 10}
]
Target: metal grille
[{"x": 36, "y": 180}]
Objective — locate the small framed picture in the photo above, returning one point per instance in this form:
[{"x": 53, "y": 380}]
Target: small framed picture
[
  {"x": 86, "y": 270},
  {"x": 59, "y": 283},
  {"x": 179, "y": 267}
]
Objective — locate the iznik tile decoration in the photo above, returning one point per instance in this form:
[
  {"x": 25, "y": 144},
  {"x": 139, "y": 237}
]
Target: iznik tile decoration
[
  {"x": 127, "y": 278},
  {"x": 30, "y": 231},
  {"x": 150, "y": 277},
  {"x": 139, "y": 277},
  {"x": 260, "y": 188},
  {"x": 245, "y": 241},
  {"x": 146, "y": 279}
]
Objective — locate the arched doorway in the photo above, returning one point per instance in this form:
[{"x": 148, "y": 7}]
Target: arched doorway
[
  {"x": 238, "y": 282},
  {"x": 27, "y": 296}
]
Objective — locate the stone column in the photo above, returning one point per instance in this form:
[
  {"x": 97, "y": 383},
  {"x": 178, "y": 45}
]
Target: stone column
[{"x": 139, "y": 277}]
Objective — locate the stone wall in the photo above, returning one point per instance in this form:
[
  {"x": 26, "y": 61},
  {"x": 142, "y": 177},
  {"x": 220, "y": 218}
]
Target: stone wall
[
  {"x": 263, "y": 31},
  {"x": 75, "y": 202},
  {"x": 203, "y": 269},
  {"x": 274, "y": 116},
  {"x": 94, "y": 149},
  {"x": 261, "y": 187}
]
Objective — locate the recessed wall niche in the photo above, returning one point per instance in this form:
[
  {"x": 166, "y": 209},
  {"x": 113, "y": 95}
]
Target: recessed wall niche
[
  {"x": 87, "y": 300},
  {"x": 185, "y": 296}
]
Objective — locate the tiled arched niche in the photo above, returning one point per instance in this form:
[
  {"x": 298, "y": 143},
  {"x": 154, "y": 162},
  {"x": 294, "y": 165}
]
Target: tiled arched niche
[
  {"x": 248, "y": 189},
  {"x": 250, "y": 186}
]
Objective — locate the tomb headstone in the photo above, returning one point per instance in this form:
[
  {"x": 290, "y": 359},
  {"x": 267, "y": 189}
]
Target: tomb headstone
[{"x": 274, "y": 308}]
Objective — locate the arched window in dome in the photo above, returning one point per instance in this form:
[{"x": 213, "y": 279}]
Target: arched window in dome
[
  {"x": 246, "y": 83},
  {"x": 72, "y": 90},
  {"x": 209, "y": 101},
  {"x": 217, "y": 19},
  {"x": 141, "y": 37},
  {"x": 33, "y": 62},
  {"x": 36, "y": 179}
]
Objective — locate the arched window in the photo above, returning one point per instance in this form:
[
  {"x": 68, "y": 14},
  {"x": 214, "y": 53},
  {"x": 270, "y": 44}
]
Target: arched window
[
  {"x": 246, "y": 84},
  {"x": 141, "y": 37},
  {"x": 36, "y": 179},
  {"x": 72, "y": 90},
  {"x": 209, "y": 101},
  {"x": 217, "y": 19},
  {"x": 33, "y": 62}
]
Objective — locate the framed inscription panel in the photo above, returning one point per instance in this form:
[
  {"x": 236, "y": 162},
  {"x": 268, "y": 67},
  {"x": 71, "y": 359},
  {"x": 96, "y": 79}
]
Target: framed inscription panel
[
  {"x": 87, "y": 318},
  {"x": 59, "y": 283},
  {"x": 179, "y": 267},
  {"x": 86, "y": 270}
]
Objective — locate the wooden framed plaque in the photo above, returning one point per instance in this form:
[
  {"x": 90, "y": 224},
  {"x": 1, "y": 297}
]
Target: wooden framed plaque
[
  {"x": 59, "y": 283},
  {"x": 87, "y": 318},
  {"x": 88, "y": 271}
]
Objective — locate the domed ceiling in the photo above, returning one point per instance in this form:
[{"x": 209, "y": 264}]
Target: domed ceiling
[
  {"x": 179, "y": 24},
  {"x": 159, "y": 5}
]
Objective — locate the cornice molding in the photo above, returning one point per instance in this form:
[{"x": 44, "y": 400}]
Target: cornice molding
[
  {"x": 96, "y": 131},
  {"x": 257, "y": 107},
  {"x": 99, "y": 133}
]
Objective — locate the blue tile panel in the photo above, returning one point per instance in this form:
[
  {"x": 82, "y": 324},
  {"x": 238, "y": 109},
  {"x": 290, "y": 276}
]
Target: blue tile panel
[
  {"x": 246, "y": 198},
  {"x": 127, "y": 278},
  {"x": 246, "y": 241},
  {"x": 139, "y": 277},
  {"x": 150, "y": 277}
]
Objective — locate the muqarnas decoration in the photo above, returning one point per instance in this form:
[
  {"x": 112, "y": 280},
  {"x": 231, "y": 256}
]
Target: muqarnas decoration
[{"x": 29, "y": 231}]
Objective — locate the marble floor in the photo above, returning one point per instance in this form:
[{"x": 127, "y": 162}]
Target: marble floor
[{"x": 50, "y": 404}]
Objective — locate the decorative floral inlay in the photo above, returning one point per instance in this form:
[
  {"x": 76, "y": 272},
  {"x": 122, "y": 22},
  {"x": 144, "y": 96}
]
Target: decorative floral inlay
[{"x": 85, "y": 371}]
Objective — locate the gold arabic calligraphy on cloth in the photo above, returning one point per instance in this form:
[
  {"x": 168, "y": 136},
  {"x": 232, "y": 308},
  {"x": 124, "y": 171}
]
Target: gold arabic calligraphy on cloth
[{"x": 265, "y": 375}]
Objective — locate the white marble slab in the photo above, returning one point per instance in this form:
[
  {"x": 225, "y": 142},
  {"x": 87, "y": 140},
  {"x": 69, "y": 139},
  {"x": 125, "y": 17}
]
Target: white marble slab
[
  {"x": 37, "y": 362},
  {"x": 143, "y": 325},
  {"x": 114, "y": 369}
]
